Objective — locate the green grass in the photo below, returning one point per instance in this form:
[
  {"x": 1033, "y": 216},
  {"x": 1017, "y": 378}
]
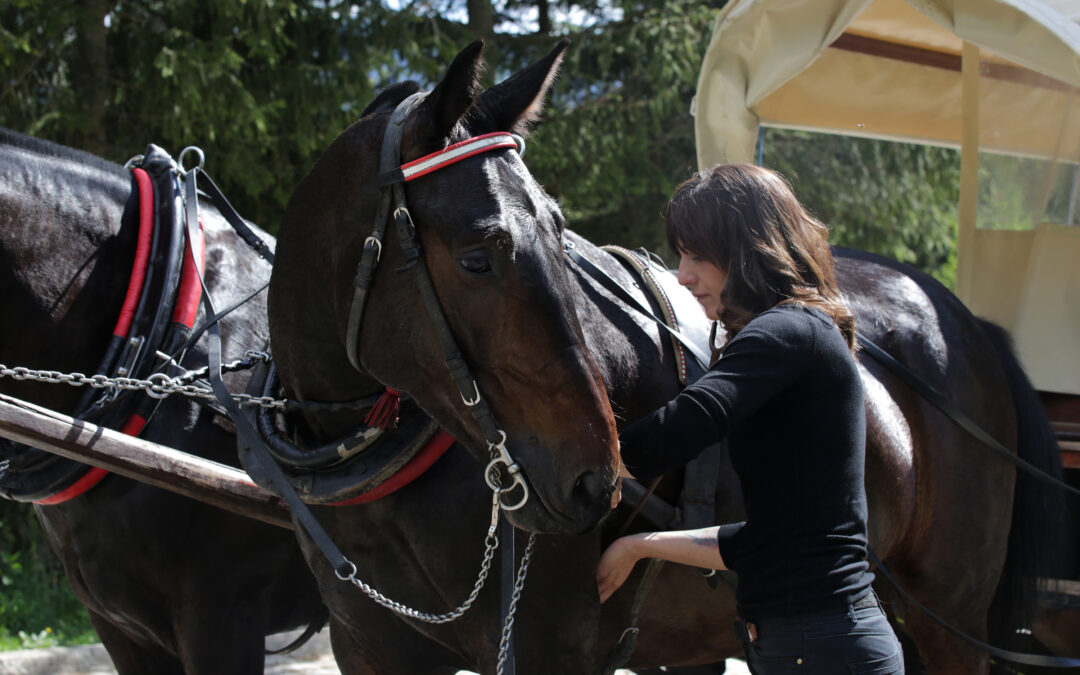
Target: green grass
[{"x": 37, "y": 606}]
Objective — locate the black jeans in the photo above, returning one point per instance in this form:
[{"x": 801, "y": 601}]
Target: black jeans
[{"x": 856, "y": 641}]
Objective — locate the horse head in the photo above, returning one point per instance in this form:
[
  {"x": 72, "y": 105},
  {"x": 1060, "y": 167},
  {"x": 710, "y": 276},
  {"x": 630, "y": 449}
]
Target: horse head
[{"x": 491, "y": 242}]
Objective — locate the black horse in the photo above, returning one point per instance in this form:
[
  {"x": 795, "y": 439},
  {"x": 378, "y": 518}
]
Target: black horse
[
  {"x": 172, "y": 585},
  {"x": 493, "y": 242}
]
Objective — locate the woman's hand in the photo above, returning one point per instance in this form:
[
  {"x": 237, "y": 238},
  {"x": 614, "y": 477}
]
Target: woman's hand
[
  {"x": 616, "y": 564},
  {"x": 697, "y": 548}
]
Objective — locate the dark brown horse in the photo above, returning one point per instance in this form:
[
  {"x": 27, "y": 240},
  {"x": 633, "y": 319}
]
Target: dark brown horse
[
  {"x": 172, "y": 585},
  {"x": 941, "y": 507}
]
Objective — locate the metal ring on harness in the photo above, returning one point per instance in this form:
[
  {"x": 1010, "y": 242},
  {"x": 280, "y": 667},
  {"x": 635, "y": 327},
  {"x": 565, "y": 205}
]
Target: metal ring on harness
[
  {"x": 520, "y": 142},
  {"x": 160, "y": 382},
  {"x": 493, "y": 474},
  {"x": 345, "y": 577},
  {"x": 180, "y": 159}
]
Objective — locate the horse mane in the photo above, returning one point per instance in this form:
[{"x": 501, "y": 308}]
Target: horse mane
[
  {"x": 391, "y": 96},
  {"x": 41, "y": 146}
]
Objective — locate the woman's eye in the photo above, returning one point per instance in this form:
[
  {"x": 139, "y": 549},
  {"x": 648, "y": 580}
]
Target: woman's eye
[{"x": 477, "y": 263}]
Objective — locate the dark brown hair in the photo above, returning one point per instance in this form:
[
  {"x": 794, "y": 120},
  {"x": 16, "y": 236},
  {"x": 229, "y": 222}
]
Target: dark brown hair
[{"x": 746, "y": 220}]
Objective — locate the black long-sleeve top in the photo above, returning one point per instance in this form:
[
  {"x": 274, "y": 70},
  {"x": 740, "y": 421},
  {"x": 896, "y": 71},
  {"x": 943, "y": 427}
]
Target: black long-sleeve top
[{"x": 787, "y": 395}]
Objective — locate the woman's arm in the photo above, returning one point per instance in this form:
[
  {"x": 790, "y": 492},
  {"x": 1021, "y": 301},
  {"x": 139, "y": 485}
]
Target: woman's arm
[{"x": 697, "y": 548}]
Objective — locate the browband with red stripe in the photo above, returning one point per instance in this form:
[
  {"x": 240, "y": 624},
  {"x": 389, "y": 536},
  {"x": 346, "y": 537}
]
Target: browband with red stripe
[{"x": 452, "y": 155}]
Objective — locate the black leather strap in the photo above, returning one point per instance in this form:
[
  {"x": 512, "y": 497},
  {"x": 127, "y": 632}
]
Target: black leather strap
[
  {"x": 1015, "y": 657},
  {"x": 506, "y": 593},
  {"x": 624, "y": 648},
  {"x": 605, "y": 280},
  {"x": 260, "y": 453},
  {"x": 365, "y": 269},
  {"x": 229, "y": 213},
  {"x": 954, "y": 413}
]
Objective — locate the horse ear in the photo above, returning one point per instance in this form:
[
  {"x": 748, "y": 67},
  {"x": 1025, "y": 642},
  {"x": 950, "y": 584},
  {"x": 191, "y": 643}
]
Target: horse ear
[
  {"x": 391, "y": 96},
  {"x": 515, "y": 103},
  {"x": 457, "y": 91}
]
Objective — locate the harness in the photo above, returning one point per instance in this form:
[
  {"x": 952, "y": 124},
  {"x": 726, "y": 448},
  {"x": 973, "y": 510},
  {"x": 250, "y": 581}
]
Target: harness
[{"x": 157, "y": 316}]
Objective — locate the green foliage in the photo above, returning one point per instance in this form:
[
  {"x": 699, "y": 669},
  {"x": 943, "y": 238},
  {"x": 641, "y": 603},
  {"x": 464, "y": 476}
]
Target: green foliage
[
  {"x": 1013, "y": 191},
  {"x": 895, "y": 199},
  {"x": 37, "y": 606},
  {"x": 619, "y": 135}
]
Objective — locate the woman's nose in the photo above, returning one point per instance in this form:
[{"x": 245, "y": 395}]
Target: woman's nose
[{"x": 685, "y": 277}]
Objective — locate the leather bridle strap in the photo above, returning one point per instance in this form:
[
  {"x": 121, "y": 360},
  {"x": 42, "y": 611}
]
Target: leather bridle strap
[
  {"x": 1041, "y": 660},
  {"x": 502, "y": 474},
  {"x": 365, "y": 269},
  {"x": 392, "y": 178},
  {"x": 605, "y": 280},
  {"x": 954, "y": 413}
]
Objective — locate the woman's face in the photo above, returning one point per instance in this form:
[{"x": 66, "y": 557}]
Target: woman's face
[{"x": 705, "y": 280}]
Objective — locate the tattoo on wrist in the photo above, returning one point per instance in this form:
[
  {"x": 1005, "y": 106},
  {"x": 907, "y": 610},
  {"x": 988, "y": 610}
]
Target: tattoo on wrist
[{"x": 704, "y": 540}]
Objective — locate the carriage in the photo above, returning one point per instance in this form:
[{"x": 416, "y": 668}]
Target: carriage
[
  {"x": 309, "y": 295},
  {"x": 997, "y": 80}
]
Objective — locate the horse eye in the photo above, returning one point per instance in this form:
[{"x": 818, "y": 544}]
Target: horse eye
[{"x": 477, "y": 263}]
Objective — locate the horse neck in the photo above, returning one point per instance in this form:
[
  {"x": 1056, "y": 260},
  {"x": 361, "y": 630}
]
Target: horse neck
[
  {"x": 60, "y": 246},
  {"x": 632, "y": 361}
]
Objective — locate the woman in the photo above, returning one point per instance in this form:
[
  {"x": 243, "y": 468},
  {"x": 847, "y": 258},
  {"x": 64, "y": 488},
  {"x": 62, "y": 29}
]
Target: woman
[{"x": 785, "y": 392}]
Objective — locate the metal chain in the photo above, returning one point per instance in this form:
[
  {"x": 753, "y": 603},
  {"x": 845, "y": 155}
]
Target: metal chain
[
  {"x": 491, "y": 542},
  {"x": 251, "y": 357},
  {"x": 519, "y": 585},
  {"x": 158, "y": 385},
  {"x": 180, "y": 384}
]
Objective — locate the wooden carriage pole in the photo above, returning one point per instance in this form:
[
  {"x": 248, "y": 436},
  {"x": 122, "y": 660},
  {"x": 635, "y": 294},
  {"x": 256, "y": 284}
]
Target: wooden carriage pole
[{"x": 206, "y": 481}]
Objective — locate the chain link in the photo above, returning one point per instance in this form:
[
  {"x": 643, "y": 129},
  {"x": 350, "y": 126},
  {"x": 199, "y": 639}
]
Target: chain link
[
  {"x": 519, "y": 585},
  {"x": 158, "y": 385},
  {"x": 491, "y": 542}
]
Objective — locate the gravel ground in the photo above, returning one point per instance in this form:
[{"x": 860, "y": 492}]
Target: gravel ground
[{"x": 314, "y": 658}]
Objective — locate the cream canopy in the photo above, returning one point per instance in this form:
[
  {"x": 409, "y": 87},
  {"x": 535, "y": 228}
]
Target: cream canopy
[{"x": 998, "y": 76}]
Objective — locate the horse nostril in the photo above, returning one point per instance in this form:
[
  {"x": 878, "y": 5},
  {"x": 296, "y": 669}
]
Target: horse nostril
[{"x": 591, "y": 488}]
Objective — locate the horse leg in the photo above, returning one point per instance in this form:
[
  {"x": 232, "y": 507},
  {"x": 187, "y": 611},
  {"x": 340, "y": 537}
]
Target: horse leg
[
  {"x": 217, "y": 636},
  {"x": 131, "y": 657},
  {"x": 396, "y": 650}
]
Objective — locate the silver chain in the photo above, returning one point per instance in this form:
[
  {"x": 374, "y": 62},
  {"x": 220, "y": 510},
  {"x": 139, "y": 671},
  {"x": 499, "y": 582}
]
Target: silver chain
[
  {"x": 491, "y": 542},
  {"x": 158, "y": 385},
  {"x": 519, "y": 584}
]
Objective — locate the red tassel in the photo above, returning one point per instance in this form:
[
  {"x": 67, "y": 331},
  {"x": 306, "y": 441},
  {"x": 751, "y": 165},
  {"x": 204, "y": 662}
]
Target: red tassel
[{"x": 385, "y": 413}]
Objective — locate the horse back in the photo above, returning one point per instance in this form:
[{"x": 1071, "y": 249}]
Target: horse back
[{"x": 928, "y": 479}]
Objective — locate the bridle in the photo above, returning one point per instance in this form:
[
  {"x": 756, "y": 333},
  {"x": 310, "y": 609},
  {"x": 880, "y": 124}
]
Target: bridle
[{"x": 502, "y": 473}]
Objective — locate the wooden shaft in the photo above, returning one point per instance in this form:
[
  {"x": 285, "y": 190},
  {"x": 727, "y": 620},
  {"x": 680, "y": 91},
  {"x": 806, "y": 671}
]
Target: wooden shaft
[{"x": 200, "y": 479}]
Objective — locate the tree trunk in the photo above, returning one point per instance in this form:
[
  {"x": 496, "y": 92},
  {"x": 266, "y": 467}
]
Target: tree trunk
[
  {"x": 90, "y": 74},
  {"x": 481, "y": 18},
  {"x": 544, "y": 20}
]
